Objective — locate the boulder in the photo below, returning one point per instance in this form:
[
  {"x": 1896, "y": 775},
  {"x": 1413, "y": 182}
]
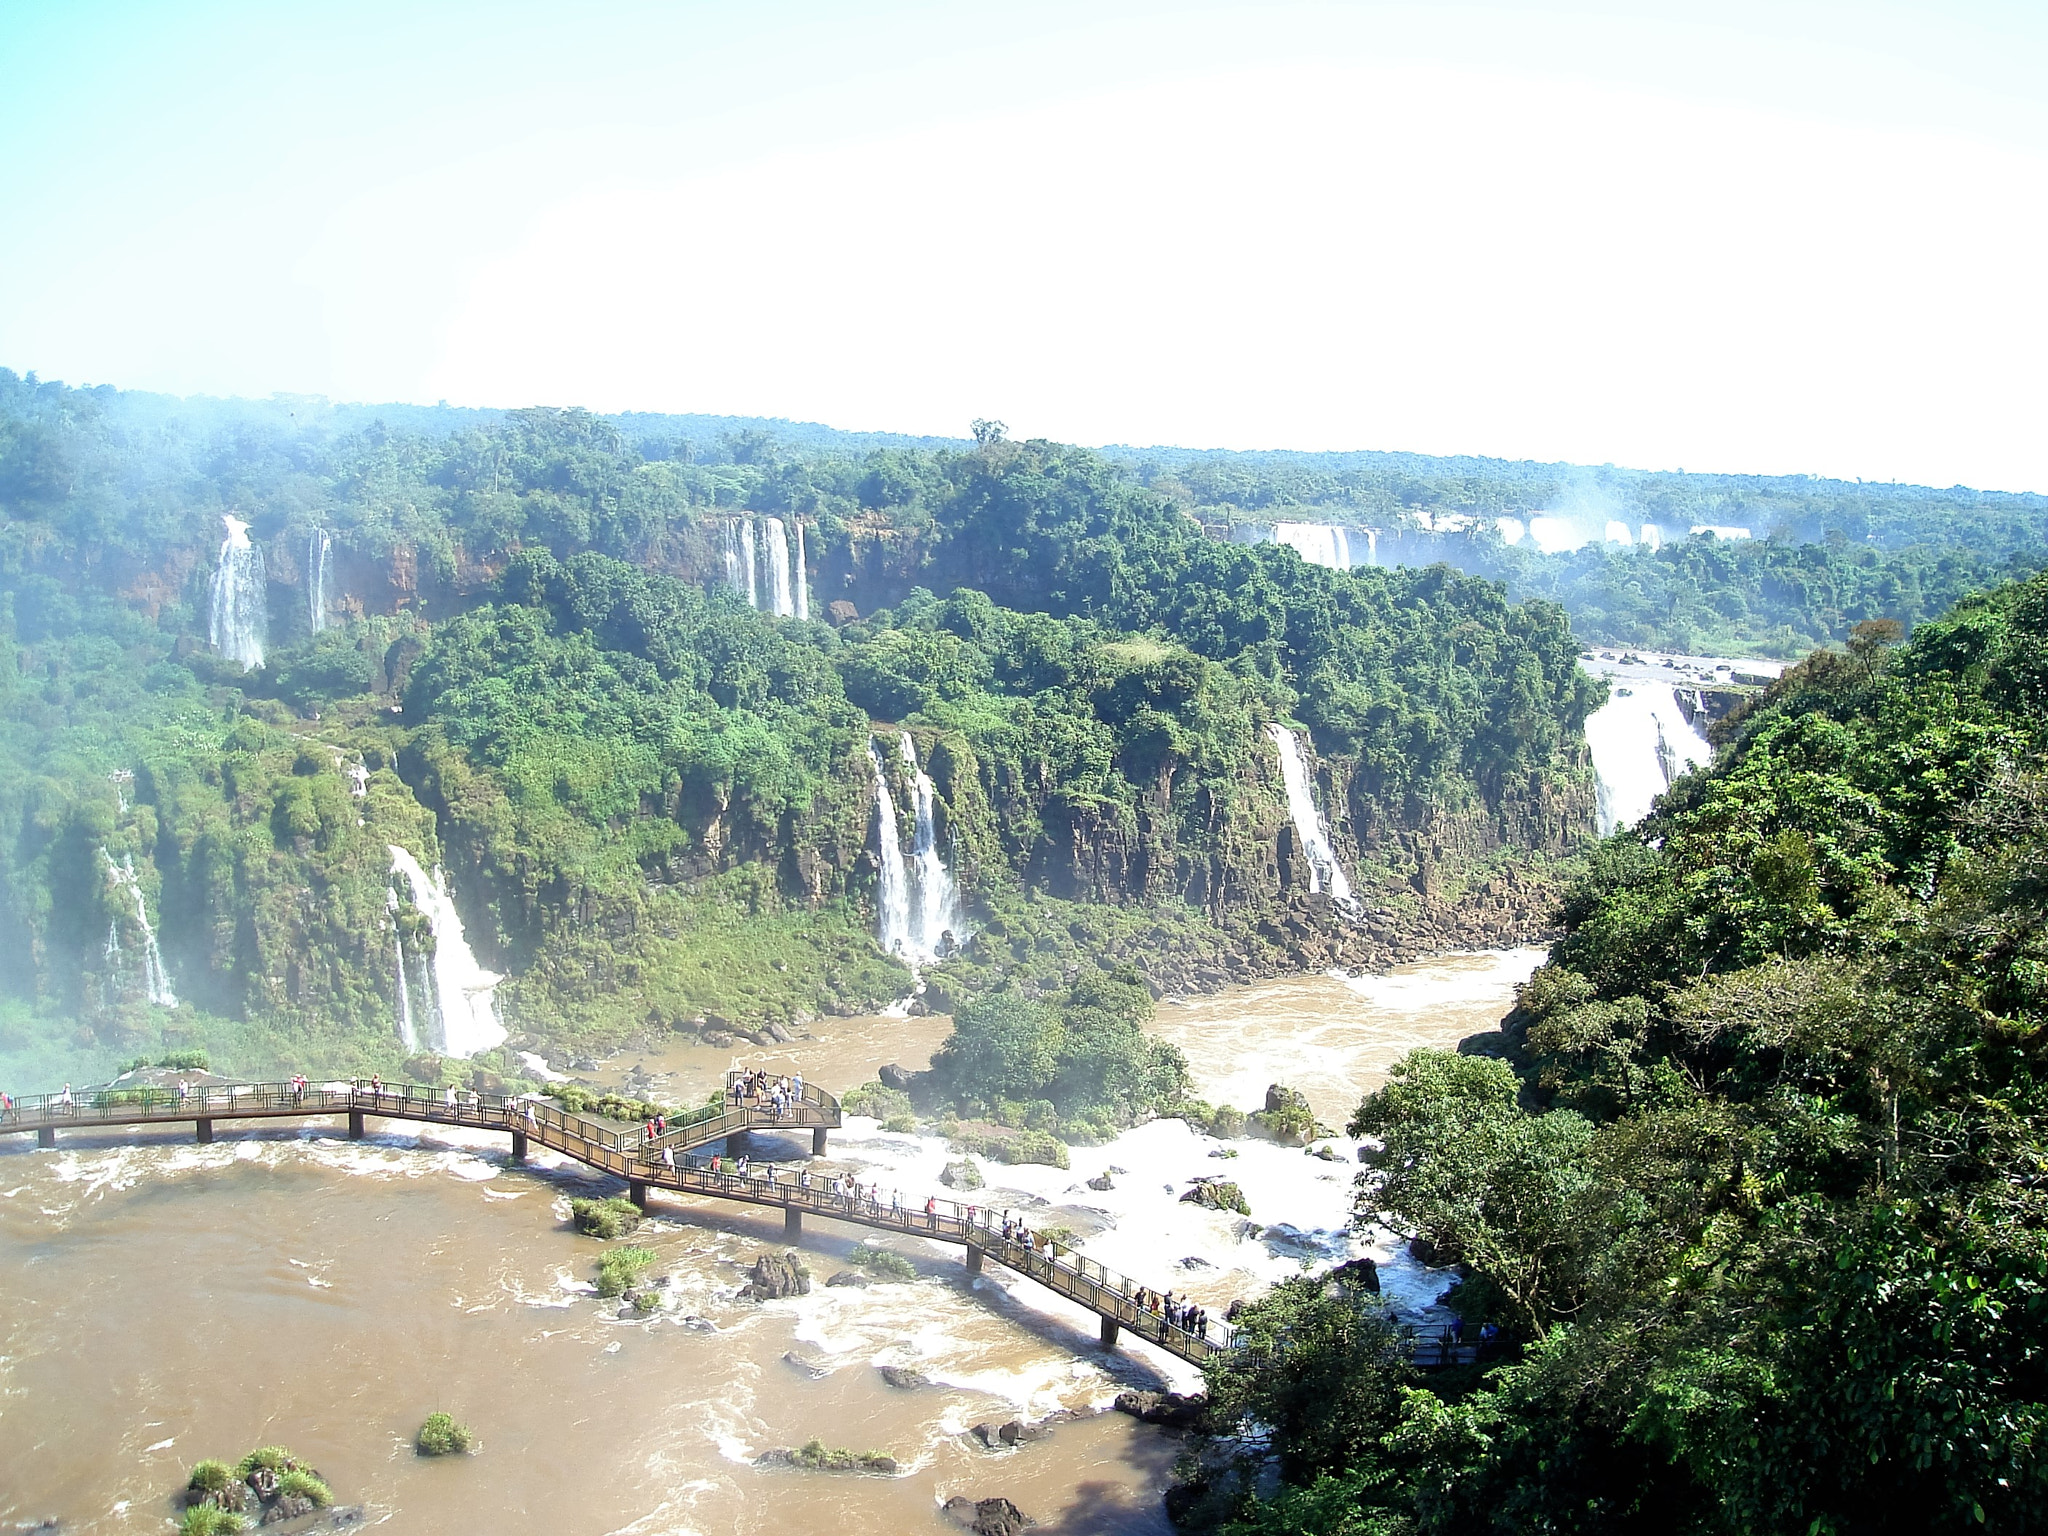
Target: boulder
[
  {"x": 290, "y": 1506},
  {"x": 718, "y": 1039},
  {"x": 839, "y": 613},
  {"x": 893, "y": 1076},
  {"x": 1017, "y": 1432},
  {"x": 986, "y": 1517},
  {"x": 1358, "y": 1274},
  {"x": 902, "y": 1376},
  {"x": 806, "y": 1367},
  {"x": 1279, "y": 1097},
  {"x": 1217, "y": 1195},
  {"x": 778, "y": 1034},
  {"x": 1102, "y": 1181},
  {"x": 962, "y": 1175},
  {"x": 1170, "y": 1409},
  {"x": 777, "y": 1275},
  {"x": 849, "y": 1277}
]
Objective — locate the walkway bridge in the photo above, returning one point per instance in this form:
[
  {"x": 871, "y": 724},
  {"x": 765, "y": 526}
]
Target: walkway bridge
[{"x": 630, "y": 1155}]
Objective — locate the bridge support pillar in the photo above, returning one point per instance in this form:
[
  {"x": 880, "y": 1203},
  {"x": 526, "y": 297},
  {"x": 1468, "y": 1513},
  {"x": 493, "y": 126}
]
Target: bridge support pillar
[
  {"x": 636, "y": 1191},
  {"x": 792, "y": 1224},
  {"x": 355, "y": 1125},
  {"x": 973, "y": 1258},
  {"x": 519, "y": 1146},
  {"x": 46, "y": 1136},
  {"x": 203, "y": 1133},
  {"x": 818, "y": 1141},
  {"x": 1110, "y": 1329}
]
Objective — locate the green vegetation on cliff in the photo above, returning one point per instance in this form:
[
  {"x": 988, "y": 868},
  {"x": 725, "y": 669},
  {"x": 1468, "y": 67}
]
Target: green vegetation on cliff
[{"x": 1752, "y": 1185}]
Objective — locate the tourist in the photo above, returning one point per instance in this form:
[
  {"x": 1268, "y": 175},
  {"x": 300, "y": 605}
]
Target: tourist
[
  {"x": 798, "y": 1086},
  {"x": 376, "y": 1086},
  {"x": 931, "y": 1212},
  {"x": 668, "y": 1158},
  {"x": 64, "y": 1100}
]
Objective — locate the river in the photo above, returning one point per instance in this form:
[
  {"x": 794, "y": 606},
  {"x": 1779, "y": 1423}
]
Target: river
[{"x": 166, "y": 1302}]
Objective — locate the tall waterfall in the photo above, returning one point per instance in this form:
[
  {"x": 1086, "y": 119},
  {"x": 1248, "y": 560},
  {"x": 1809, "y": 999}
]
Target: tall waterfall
[
  {"x": 749, "y": 536},
  {"x": 1372, "y": 546},
  {"x": 1308, "y": 821},
  {"x": 803, "y": 576},
  {"x": 937, "y": 907},
  {"x": 239, "y": 622},
  {"x": 465, "y": 1000},
  {"x": 1318, "y": 543},
  {"x": 782, "y": 605},
  {"x": 156, "y": 981},
  {"x": 892, "y": 897},
  {"x": 317, "y": 546},
  {"x": 408, "y": 1032},
  {"x": 1641, "y": 741}
]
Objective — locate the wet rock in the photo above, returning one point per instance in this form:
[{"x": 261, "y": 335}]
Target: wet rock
[
  {"x": 718, "y": 1038},
  {"x": 1279, "y": 1097},
  {"x": 697, "y": 1324},
  {"x": 849, "y": 1277},
  {"x": 286, "y": 1507},
  {"x": 778, "y": 1034},
  {"x": 777, "y": 1275},
  {"x": 964, "y": 1174},
  {"x": 893, "y": 1076},
  {"x": 1017, "y": 1432},
  {"x": 1102, "y": 1181},
  {"x": 1217, "y": 1195},
  {"x": 804, "y": 1366},
  {"x": 1358, "y": 1274},
  {"x": 986, "y": 1517},
  {"x": 1173, "y": 1410},
  {"x": 1194, "y": 1261},
  {"x": 1326, "y": 1152},
  {"x": 902, "y": 1376}
]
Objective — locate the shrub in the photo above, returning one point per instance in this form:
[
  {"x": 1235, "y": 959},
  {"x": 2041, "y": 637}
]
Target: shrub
[
  {"x": 876, "y": 1102},
  {"x": 269, "y": 1458},
  {"x": 882, "y": 1262},
  {"x": 619, "y": 1268},
  {"x": 1290, "y": 1124},
  {"x": 615, "y": 1217},
  {"x": 646, "y": 1301},
  {"x": 907, "y": 1124},
  {"x": 210, "y": 1520},
  {"x": 301, "y": 1484},
  {"x": 1033, "y": 1147},
  {"x": 1227, "y": 1122},
  {"x": 441, "y": 1436},
  {"x": 211, "y": 1477},
  {"x": 184, "y": 1061},
  {"x": 821, "y": 1457}
]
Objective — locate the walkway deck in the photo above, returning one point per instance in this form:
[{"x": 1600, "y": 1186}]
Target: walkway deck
[{"x": 629, "y": 1155}]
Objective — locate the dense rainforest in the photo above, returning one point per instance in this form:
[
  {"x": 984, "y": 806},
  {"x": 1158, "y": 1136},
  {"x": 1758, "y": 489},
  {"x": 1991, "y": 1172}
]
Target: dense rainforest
[
  {"x": 1750, "y": 1184},
  {"x": 516, "y": 646}
]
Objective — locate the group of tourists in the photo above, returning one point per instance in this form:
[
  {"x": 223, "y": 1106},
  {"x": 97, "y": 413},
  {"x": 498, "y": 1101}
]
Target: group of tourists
[
  {"x": 759, "y": 1089},
  {"x": 1184, "y": 1315}
]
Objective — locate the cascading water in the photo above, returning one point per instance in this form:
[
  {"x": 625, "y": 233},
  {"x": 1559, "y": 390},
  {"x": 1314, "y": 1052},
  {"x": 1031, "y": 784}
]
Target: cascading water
[
  {"x": 156, "y": 981},
  {"x": 781, "y": 603},
  {"x": 1322, "y": 544},
  {"x": 465, "y": 999},
  {"x": 1372, "y": 546},
  {"x": 317, "y": 546},
  {"x": 1308, "y": 821},
  {"x": 408, "y": 1032},
  {"x": 892, "y": 896},
  {"x": 749, "y": 569},
  {"x": 239, "y": 622},
  {"x": 1640, "y": 741},
  {"x": 935, "y": 911},
  {"x": 803, "y": 577}
]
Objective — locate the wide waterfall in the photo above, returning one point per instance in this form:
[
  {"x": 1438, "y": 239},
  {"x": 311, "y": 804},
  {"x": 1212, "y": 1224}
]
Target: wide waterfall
[
  {"x": 782, "y": 605},
  {"x": 892, "y": 895},
  {"x": 239, "y": 621},
  {"x": 1323, "y": 867},
  {"x": 1641, "y": 741},
  {"x": 156, "y": 981},
  {"x": 1318, "y": 543},
  {"x": 803, "y": 577},
  {"x": 465, "y": 994},
  {"x": 317, "y": 546},
  {"x": 937, "y": 907}
]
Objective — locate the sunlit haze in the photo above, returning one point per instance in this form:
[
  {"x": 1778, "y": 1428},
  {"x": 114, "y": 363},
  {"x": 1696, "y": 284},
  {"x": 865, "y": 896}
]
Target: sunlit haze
[{"x": 1774, "y": 238}]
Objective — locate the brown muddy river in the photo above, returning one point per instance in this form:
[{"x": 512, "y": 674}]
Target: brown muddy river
[{"x": 162, "y": 1302}]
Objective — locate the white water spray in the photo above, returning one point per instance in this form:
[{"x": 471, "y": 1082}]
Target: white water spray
[
  {"x": 239, "y": 622},
  {"x": 749, "y": 538},
  {"x": 1322, "y": 544},
  {"x": 1308, "y": 821},
  {"x": 465, "y": 997},
  {"x": 156, "y": 981},
  {"x": 936, "y": 909},
  {"x": 317, "y": 547},
  {"x": 408, "y": 1032},
  {"x": 1641, "y": 741},
  {"x": 782, "y": 605},
  {"x": 892, "y": 895},
  {"x": 803, "y": 577}
]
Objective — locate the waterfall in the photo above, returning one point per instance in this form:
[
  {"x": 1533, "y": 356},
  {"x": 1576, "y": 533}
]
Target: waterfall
[
  {"x": 1652, "y": 536},
  {"x": 156, "y": 981},
  {"x": 1308, "y": 821},
  {"x": 739, "y": 560},
  {"x": 892, "y": 898},
  {"x": 239, "y": 622},
  {"x": 803, "y": 577},
  {"x": 1641, "y": 741},
  {"x": 464, "y": 992},
  {"x": 1318, "y": 543},
  {"x": 1372, "y": 546},
  {"x": 936, "y": 910},
  {"x": 781, "y": 604},
  {"x": 1617, "y": 532},
  {"x": 316, "y": 579},
  {"x": 408, "y": 1033},
  {"x": 749, "y": 534}
]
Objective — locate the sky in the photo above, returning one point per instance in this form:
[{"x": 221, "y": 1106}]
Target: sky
[{"x": 1795, "y": 237}]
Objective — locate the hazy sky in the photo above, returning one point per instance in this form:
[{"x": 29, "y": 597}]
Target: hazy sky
[{"x": 1773, "y": 237}]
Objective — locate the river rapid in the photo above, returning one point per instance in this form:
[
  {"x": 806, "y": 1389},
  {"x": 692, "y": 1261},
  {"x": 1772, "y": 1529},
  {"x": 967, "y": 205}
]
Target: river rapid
[{"x": 161, "y": 1302}]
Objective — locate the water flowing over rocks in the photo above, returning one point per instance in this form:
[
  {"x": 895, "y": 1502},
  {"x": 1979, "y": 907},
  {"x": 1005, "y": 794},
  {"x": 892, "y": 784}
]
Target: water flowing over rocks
[
  {"x": 987, "y": 1517},
  {"x": 238, "y": 623},
  {"x": 775, "y": 1276}
]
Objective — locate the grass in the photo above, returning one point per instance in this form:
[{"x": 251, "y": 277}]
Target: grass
[
  {"x": 301, "y": 1484},
  {"x": 882, "y": 1262},
  {"x": 620, "y": 1268},
  {"x": 441, "y": 1436},
  {"x": 210, "y": 1520},
  {"x": 269, "y": 1458},
  {"x": 211, "y": 1477},
  {"x": 820, "y": 1457},
  {"x": 615, "y": 1217}
]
